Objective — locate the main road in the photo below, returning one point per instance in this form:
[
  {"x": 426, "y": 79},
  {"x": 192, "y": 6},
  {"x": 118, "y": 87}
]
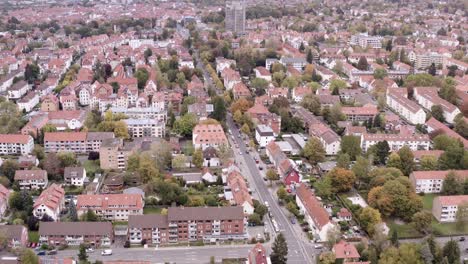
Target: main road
[{"x": 299, "y": 251}]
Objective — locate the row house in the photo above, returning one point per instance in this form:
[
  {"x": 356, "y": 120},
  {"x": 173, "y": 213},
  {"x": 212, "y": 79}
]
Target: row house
[
  {"x": 76, "y": 142},
  {"x": 76, "y": 233},
  {"x": 145, "y": 127},
  {"x": 360, "y": 114},
  {"x": 396, "y": 141},
  {"x": 432, "y": 181},
  {"x": 237, "y": 192},
  {"x": 4, "y": 199},
  {"x": 435, "y": 127},
  {"x": 16, "y": 144},
  {"x": 462, "y": 66},
  {"x": 261, "y": 116},
  {"x": 428, "y": 97},
  {"x": 315, "y": 214},
  {"x": 330, "y": 140},
  {"x": 208, "y": 135},
  {"x": 285, "y": 167},
  {"x": 240, "y": 90},
  {"x": 183, "y": 224},
  {"x": 51, "y": 202},
  {"x": 31, "y": 179},
  {"x": 445, "y": 208},
  {"x": 397, "y": 99},
  {"x": 74, "y": 176},
  {"x": 28, "y": 102},
  {"x": 18, "y": 90},
  {"x": 111, "y": 207},
  {"x": 15, "y": 235}
]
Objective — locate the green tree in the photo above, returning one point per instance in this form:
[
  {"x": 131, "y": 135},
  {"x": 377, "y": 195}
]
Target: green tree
[
  {"x": 369, "y": 219},
  {"x": 451, "y": 251},
  {"x": 341, "y": 179},
  {"x": 361, "y": 169},
  {"x": 337, "y": 84},
  {"x": 148, "y": 53},
  {"x": 323, "y": 187},
  {"x": 142, "y": 76},
  {"x": 8, "y": 168},
  {"x": 381, "y": 150},
  {"x": 281, "y": 193},
  {"x": 314, "y": 151},
  {"x": 394, "y": 238},
  {"x": 29, "y": 257},
  {"x": 197, "y": 158},
  {"x": 451, "y": 185},
  {"x": 279, "y": 254},
  {"x": 272, "y": 175},
  {"x": 421, "y": 221},
  {"x": 82, "y": 256},
  {"x": 362, "y": 64},
  {"x": 351, "y": 145},
  {"x": 31, "y": 73},
  {"x": 343, "y": 161},
  {"x": 311, "y": 103},
  {"x": 438, "y": 113},
  {"x": 90, "y": 216},
  {"x": 462, "y": 217},
  {"x": 407, "y": 160},
  {"x": 245, "y": 129},
  {"x": 184, "y": 125},
  {"x": 394, "y": 161},
  {"x": 179, "y": 161},
  {"x": 428, "y": 163},
  {"x": 461, "y": 126},
  {"x": 219, "y": 111},
  {"x": 380, "y": 73}
]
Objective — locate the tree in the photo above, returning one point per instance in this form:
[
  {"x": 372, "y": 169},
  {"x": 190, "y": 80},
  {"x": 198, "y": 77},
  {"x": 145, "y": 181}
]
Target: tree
[
  {"x": 351, "y": 145},
  {"x": 369, "y": 219},
  {"x": 179, "y": 161},
  {"x": 245, "y": 129},
  {"x": 426, "y": 254},
  {"x": 148, "y": 53},
  {"x": 421, "y": 221},
  {"x": 90, "y": 216},
  {"x": 341, "y": 179},
  {"x": 281, "y": 193},
  {"x": 197, "y": 158},
  {"x": 29, "y": 257},
  {"x": 72, "y": 214},
  {"x": 312, "y": 103},
  {"x": 8, "y": 168},
  {"x": 82, "y": 256},
  {"x": 327, "y": 258},
  {"x": 310, "y": 56},
  {"x": 407, "y": 160},
  {"x": 451, "y": 185},
  {"x": 121, "y": 130},
  {"x": 428, "y": 163},
  {"x": 184, "y": 125},
  {"x": 314, "y": 151},
  {"x": 432, "y": 70},
  {"x": 31, "y": 73},
  {"x": 394, "y": 238},
  {"x": 462, "y": 216},
  {"x": 219, "y": 111},
  {"x": 394, "y": 161},
  {"x": 323, "y": 187},
  {"x": 438, "y": 113},
  {"x": 380, "y": 73},
  {"x": 362, "y": 64},
  {"x": 147, "y": 169},
  {"x": 242, "y": 104},
  {"x": 343, "y": 161},
  {"x": 259, "y": 85},
  {"x": 451, "y": 251},
  {"x": 272, "y": 175},
  {"x": 381, "y": 151},
  {"x": 337, "y": 84},
  {"x": 361, "y": 169},
  {"x": 279, "y": 254},
  {"x": 461, "y": 126},
  {"x": 142, "y": 76}
]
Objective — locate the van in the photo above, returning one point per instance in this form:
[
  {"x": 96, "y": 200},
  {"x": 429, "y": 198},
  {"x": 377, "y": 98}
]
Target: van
[{"x": 106, "y": 252}]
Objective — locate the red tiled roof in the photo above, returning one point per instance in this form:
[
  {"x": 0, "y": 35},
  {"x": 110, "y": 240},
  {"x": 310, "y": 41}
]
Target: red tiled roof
[
  {"x": 110, "y": 201},
  {"x": 51, "y": 197},
  {"x": 345, "y": 250},
  {"x": 452, "y": 199},
  {"x": 14, "y": 138},
  {"x": 64, "y": 136},
  {"x": 438, "y": 175},
  {"x": 313, "y": 207}
]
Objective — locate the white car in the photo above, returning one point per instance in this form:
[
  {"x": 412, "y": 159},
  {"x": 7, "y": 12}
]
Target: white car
[
  {"x": 89, "y": 250},
  {"x": 106, "y": 252},
  {"x": 318, "y": 246}
]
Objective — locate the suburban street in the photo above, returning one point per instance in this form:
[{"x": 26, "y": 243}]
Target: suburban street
[
  {"x": 179, "y": 255},
  {"x": 300, "y": 251}
]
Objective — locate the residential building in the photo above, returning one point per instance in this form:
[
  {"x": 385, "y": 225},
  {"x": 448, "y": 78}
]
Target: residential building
[
  {"x": 237, "y": 192},
  {"x": 396, "y": 141},
  {"x": 113, "y": 207},
  {"x": 364, "y": 40},
  {"x": 261, "y": 116},
  {"x": 264, "y": 135},
  {"x": 76, "y": 233},
  {"x": 235, "y": 16},
  {"x": 397, "y": 99},
  {"x": 263, "y": 73},
  {"x": 51, "y": 203},
  {"x": 344, "y": 215},
  {"x": 16, "y": 235},
  {"x": 300, "y": 92},
  {"x": 210, "y": 157},
  {"x": 345, "y": 251},
  {"x": 428, "y": 97},
  {"x": 28, "y": 102},
  {"x": 157, "y": 113},
  {"x": 285, "y": 168},
  {"x": 330, "y": 140},
  {"x": 4, "y": 199},
  {"x": 13, "y": 144},
  {"x": 445, "y": 208},
  {"x": 18, "y": 90},
  {"x": 435, "y": 127},
  {"x": 152, "y": 228},
  {"x": 223, "y": 63},
  {"x": 360, "y": 114},
  {"x": 315, "y": 214},
  {"x": 31, "y": 179},
  {"x": 145, "y": 127},
  {"x": 114, "y": 154},
  {"x": 208, "y": 135},
  {"x": 64, "y": 120},
  {"x": 35, "y": 125},
  {"x": 74, "y": 176},
  {"x": 432, "y": 181},
  {"x": 76, "y": 142},
  {"x": 425, "y": 59}
]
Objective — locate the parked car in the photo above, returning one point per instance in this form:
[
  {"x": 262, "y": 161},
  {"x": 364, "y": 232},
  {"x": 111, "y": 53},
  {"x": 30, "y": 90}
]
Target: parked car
[
  {"x": 52, "y": 252},
  {"x": 106, "y": 252},
  {"x": 462, "y": 238},
  {"x": 293, "y": 221},
  {"x": 41, "y": 253},
  {"x": 90, "y": 250},
  {"x": 318, "y": 246}
]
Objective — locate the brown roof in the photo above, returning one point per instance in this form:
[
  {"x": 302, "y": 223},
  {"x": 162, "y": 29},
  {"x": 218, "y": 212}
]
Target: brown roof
[
  {"x": 51, "y": 197},
  {"x": 147, "y": 221},
  {"x": 108, "y": 201},
  {"x": 205, "y": 213},
  {"x": 73, "y": 172},
  {"x": 313, "y": 207},
  {"x": 452, "y": 199},
  {"x": 345, "y": 250},
  {"x": 12, "y": 231},
  {"x": 211, "y": 133},
  {"x": 30, "y": 175},
  {"x": 14, "y": 138},
  {"x": 437, "y": 175},
  {"x": 75, "y": 228},
  {"x": 65, "y": 136}
]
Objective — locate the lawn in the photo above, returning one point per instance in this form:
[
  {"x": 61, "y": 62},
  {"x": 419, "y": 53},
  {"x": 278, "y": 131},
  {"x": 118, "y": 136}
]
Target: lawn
[
  {"x": 91, "y": 166},
  {"x": 33, "y": 236},
  {"x": 428, "y": 199},
  {"x": 152, "y": 210},
  {"x": 448, "y": 229},
  {"x": 404, "y": 230}
]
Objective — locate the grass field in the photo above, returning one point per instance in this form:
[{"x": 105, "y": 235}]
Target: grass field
[
  {"x": 33, "y": 236},
  {"x": 152, "y": 210},
  {"x": 428, "y": 200}
]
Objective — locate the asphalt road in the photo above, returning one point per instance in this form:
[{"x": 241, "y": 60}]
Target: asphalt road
[
  {"x": 179, "y": 255},
  {"x": 300, "y": 251}
]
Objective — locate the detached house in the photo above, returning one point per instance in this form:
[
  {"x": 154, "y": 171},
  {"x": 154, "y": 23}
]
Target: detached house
[
  {"x": 345, "y": 251},
  {"x": 18, "y": 90},
  {"x": 28, "y": 102},
  {"x": 51, "y": 202},
  {"x": 16, "y": 235},
  {"x": 74, "y": 176},
  {"x": 315, "y": 215},
  {"x": 260, "y": 115},
  {"x": 31, "y": 179}
]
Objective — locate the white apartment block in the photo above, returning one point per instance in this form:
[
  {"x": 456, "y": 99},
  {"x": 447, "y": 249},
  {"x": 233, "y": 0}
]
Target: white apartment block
[
  {"x": 158, "y": 113},
  {"x": 12, "y": 144},
  {"x": 432, "y": 181},
  {"x": 398, "y": 101},
  {"x": 424, "y": 60},
  {"x": 396, "y": 141},
  {"x": 445, "y": 208},
  {"x": 145, "y": 127},
  {"x": 28, "y": 102},
  {"x": 31, "y": 179},
  {"x": 364, "y": 40},
  {"x": 264, "y": 135},
  {"x": 428, "y": 97}
]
